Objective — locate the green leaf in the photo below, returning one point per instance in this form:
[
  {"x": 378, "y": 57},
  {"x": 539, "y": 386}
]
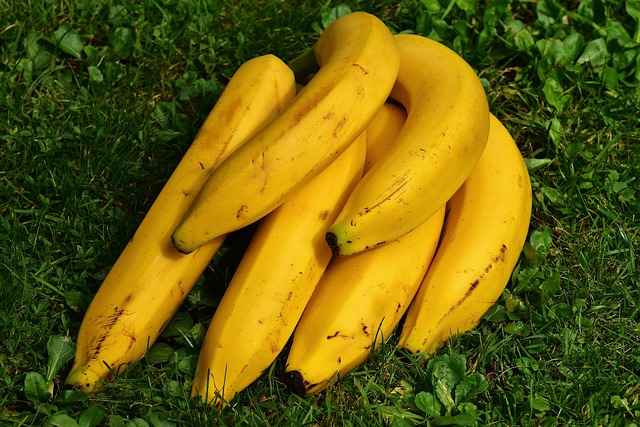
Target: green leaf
[
  {"x": 92, "y": 54},
  {"x": 68, "y": 41},
  {"x": 25, "y": 66},
  {"x": 551, "y": 285},
  {"x": 327, "y": 16},
  {"x": 159, "y": 353},
  {"x": 573, "y": 45},
  {"x": 492, "y": 14},
  {"x": 443, "y": 391},
  {"x": 431, "y": 6},
  {"x": 182, "y": 322},
  {"x": 118, "y": 15},
  {"x": 91, "y": 417},
  {"x": 116, "y": 421},
  {"x": 173, "y": 388},
  {"x": 157, "y": 421},
  {"x": 73, "y": 396},
  {"x": 187, "y": 365},
  {"x": 60, "y": 350},
  {"x": 633, "y": 9},
  {"x": 471, "y": 386},
  {"x": 398, "y": 421},
  {"x": 595, "y": 53},
  {"x": 513, "y": 303},
  {"x": 95, "y": 75},
  {"x": 553, "y": 195},
  {"x": 541, "y": 241},
  {"x": 535, "y": 164},
  {"x": 31, "y": 44},
  {"x": 616, "y": 32},
  {"x": 76, "y": 300},
  {"x": 555, "y": 131},
  {"x": 62, "y": 420},
  {"x": 35, "y": 387},
  {"x": 137, "y": 422},
  {"x": 469, "y": 6},
  {"x": 122, "y": 41},
  {"x": 455, "y": 420},
  {"x": 427, "y": 403},
  {"x": 448, "y": 368},
  {"x": 539, "y": 403},
  {"x": 554, "y": 94},
  {"x": 516, "y": 328},
  {"x": 524, "y": 40},
  {"x": 610, "y": 78}
]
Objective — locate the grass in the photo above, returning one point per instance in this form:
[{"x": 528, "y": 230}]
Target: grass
[{"x": 99, "y": 99}]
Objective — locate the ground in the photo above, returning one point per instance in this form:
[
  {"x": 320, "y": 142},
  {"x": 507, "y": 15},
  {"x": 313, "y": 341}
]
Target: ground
[{"x": 99, "y": 99}]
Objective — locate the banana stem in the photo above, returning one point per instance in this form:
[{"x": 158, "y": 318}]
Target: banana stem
[{"x": 303, "y": 65}]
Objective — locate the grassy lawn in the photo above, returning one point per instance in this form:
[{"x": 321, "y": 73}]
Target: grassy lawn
[{"x": 98, "y": 102}]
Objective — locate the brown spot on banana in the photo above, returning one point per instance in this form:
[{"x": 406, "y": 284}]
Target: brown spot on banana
[
  {"x": 361, "y": 68},
  {"x": 339, "y": 126},
  {"x": 365, "y": 329},
  {"x": 394, "y": 190},
  {"x": 241, "y": 211},
  {"x": 323, "y": 215},
  {"x": 474, "y": 284},
  {"x": 334, "y": 335}
]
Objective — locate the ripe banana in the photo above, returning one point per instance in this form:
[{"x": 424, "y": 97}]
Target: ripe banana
[
  {"x": 486, "y": 227},
  {"x": 442, "y": 139},
  {"x": 358, "y": 62},
  {"x": 361, "y": 298},
  {"x": 274, "y": 281},
  {"x": 150, "y": 278},
  {"x": 382, "y": 132}
]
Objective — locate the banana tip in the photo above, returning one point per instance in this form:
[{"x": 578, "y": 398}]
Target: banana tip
[
  {"x": 178, "y": 246},
  {"x": 295, "y": 382},
  {"x": 332, "y": 241},
  {"x": 83, "y": 379}
]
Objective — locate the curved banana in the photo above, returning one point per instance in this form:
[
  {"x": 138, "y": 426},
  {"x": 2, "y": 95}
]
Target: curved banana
[
  {"x": 486, "y": 227},
  {"x": 150, "y": 278},
  {"x": 273, "y": 282},
  {"x": 361, "y": 298},
  {"x": 442, "y": 139},
  {"x": 358, "y": 65}
]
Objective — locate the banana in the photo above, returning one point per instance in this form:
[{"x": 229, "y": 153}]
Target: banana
[
  {"x": 358, "y": 62},
  {"x": 361, "y": 298},
  {"x": 486, "y": 227},
  {"x": 150, "y": 278},
  {"x": 442, "y": 139},
  {"x": 382, "y": 132},
  {"x": 273, "y": 282}
]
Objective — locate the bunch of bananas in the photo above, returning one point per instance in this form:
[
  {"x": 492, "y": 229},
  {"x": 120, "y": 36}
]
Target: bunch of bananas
[{"x": 370, "y": 210}]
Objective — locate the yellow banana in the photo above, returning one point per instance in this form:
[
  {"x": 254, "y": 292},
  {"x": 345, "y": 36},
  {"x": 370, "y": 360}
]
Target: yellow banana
[
  {"x": 150, "y": 278},
  {"x": 486, "y": 227},
  {"x": 442, "y": 139},
  {"x": 382, "y": 132},
  {"x": 358, "y": 64},
  {"x": 274, "y": 281},
  {"x": 361, "y": 298}
]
